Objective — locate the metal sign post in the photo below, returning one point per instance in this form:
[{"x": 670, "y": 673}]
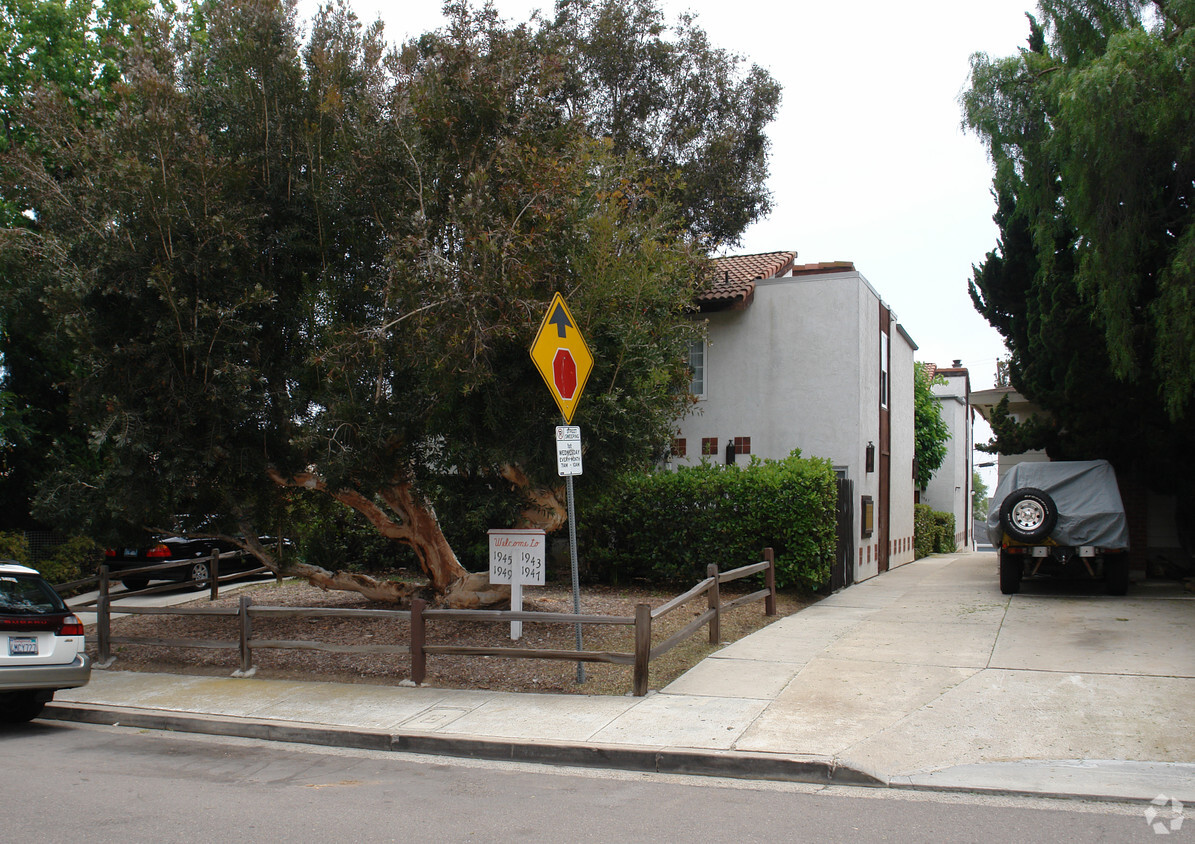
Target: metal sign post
[
  {"x": 568, "y": 464},
  {"x": 564, "y": 361},
  {"x": 572, "y": 548}
]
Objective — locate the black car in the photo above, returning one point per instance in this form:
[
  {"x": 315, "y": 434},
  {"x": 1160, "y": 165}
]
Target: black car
[{"x": 194, "y": 557}]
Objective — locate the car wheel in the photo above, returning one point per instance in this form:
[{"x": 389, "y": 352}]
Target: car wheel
[
  {"x": 19, "y": 707},
  {"x": 1116, "y": 575},
  {"x": 200, "y": 573},
  {"x": 134, "y": 583},
  {"x": 1010, "y": 573},
  {"x": 1028, "y": 515}
]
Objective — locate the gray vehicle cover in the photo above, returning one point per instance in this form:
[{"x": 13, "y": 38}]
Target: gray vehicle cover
[{"x": 1090, "y": 511}]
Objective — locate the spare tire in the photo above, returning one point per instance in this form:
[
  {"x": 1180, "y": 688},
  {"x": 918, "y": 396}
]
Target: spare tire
[{"x": 1028, "y": 514}]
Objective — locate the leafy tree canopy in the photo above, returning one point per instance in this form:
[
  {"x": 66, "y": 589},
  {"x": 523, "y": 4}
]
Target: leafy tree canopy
[
  {"x": 931, "y": 436},
  {"x": 668, "y": 95},
  {"x": 282, "y": 265},
  {"x": 979, "y": 496},
  {"x": 72, "y": 45},
  {"x": 1089, "y": 128}
]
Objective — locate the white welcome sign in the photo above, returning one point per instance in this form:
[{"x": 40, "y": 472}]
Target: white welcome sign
[{"x": 517, "y": 557}]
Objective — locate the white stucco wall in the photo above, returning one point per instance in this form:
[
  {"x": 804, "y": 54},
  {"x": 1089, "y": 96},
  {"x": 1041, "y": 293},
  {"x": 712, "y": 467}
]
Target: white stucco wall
[
  {"x": 783, "y": 372},
  {"x": 799, "y": 368},
  {"x": 903, "y": 449},
  {"x": 949, "y": 489}
]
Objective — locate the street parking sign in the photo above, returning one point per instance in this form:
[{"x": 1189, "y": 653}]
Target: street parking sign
[
  {"x": 562, "y": 357},
  {"x": 568, "y": 450}
]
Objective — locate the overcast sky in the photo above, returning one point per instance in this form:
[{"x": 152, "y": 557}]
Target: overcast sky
[{"x": 869, "y": 161}]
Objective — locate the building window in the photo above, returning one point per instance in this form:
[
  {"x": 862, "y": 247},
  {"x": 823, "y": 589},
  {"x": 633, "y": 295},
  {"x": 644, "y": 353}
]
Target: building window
[
  {"x": 742, "y": 445},
  {"x": 709, "y": 446},
  {"x": 697, "y": 368},
  {"x": 883, "y": 368},
  {"x": 679, "y": 447}
]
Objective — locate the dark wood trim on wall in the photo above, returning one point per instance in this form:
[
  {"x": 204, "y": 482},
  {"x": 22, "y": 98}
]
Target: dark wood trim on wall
[{"x": 884, "y": 505}]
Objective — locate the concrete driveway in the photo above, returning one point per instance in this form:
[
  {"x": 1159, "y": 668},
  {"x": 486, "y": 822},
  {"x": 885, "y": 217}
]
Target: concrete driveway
[{"x": 928, "y": 673}]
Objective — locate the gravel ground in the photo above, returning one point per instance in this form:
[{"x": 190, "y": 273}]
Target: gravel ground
[{"x": 461, "y": 672}]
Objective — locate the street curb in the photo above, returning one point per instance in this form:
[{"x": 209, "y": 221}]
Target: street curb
[
  {"x": 730, "y": 764},
  {"x": 662, "y": 760}
]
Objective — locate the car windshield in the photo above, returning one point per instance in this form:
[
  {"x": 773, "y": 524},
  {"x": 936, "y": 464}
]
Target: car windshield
[{"x": 28, "y": 595}]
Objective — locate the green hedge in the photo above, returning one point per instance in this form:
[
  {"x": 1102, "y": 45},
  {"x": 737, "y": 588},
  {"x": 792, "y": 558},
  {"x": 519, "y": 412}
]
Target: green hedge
[
  {"x": 76, "y": 558},
  {"x": 667, "y": 527},
  {"x": 944, "y": 537},
  {"x": 933, "y": 531},
  {"x": 15, "y": 547}
]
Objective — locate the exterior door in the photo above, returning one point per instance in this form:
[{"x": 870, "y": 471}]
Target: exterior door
[
  {"x": 842, "y": 572},
  {"x": 883, "y": 502}
]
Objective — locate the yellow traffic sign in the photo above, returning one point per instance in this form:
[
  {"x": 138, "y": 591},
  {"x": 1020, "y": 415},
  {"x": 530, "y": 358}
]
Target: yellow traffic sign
[{"x": 562, "y": 358}]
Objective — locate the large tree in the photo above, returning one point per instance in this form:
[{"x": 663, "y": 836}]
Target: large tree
[
  {"x": 1089, "y": 128},
  {"x": 315, "y": 268},
  {"x": 669, "y": 95},
  {"x": 72, "y": 45}
]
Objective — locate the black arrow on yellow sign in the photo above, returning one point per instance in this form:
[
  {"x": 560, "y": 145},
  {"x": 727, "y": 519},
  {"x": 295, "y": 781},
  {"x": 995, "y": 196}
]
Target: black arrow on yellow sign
[{"x": 561, "y": 321}]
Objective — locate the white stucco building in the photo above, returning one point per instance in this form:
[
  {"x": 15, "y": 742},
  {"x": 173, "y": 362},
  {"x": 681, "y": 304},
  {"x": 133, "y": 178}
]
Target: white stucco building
[
  {"x": 984, "y": 402},
  {"x": 809, "y": 357},
  {"x": 949, "y": 490}
]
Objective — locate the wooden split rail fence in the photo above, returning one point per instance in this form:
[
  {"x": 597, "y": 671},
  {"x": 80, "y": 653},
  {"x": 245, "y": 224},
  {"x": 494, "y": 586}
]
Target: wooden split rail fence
[
  {"x": 419, "y": 617},
  {"x": 103, "y": 581}
]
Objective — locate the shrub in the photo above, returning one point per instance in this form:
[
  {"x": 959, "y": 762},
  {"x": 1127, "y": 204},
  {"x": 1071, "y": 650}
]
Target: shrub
[
  {"x": 944, "y": 533},
  {"x": 74, "y": 559},
  {"x": 15, "y": 547},
  {"x": 933, "y": 531},
  {"x": 924, "y": 530},
  {"x": 667, "y": 527}
]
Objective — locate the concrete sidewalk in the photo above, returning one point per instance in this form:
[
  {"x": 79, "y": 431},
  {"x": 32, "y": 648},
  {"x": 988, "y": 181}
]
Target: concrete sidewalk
[{"x": 925, "y": 676}]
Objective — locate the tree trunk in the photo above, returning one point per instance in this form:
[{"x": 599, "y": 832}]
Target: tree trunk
[
  {"x": 546, "y": 508},
  {"x": 415, "y": 526}
]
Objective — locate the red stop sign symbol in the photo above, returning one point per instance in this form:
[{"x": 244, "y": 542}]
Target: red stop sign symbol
[{"x": 564, "y": 373}]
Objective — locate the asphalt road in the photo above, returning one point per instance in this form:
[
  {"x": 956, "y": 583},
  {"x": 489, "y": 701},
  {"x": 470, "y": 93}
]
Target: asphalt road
[{"x": 73, "y": 783}]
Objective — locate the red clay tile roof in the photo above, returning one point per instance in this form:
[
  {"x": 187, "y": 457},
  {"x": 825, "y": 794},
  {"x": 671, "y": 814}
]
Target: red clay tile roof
[
  {"x": 933, "y": 369},
  {"x": 735, "y": 276},
  {"x": 824, "y": 268}
]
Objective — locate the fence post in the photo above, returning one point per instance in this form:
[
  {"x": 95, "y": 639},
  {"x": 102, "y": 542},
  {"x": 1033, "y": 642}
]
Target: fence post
[
  {"x": 246, "y": 635},
  {"x": 418, "y": 639},
  {"x": 103, "y": 618},
  {"x": 714, "y": 596},
  {"x": 642, "y": 648},
  {"x": 214, "y": 574},
  {"x": 769, "y": 603}
]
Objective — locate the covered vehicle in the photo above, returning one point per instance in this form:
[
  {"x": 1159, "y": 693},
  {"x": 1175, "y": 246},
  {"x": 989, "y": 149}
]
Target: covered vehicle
[
  {"x": 1060, "y": 518},
  {"x": 41, "y": 644}
]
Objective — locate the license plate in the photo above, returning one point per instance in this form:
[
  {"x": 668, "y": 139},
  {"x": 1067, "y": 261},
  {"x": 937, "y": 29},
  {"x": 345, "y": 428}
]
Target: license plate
[
  {"x": 22, "y": 646},
  {"x": 130, "y": 552}
]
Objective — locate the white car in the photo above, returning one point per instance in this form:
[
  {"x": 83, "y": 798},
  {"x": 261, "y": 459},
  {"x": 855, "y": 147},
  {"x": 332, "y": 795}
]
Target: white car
[{"x": 41, "y": 644}]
